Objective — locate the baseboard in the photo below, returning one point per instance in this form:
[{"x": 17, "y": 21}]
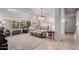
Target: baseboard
[{"x": 69, "y": 32}]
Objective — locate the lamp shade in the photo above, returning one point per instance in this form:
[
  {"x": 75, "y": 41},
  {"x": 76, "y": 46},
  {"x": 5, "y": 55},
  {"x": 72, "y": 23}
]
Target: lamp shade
[{"x": 41, "y": 18}]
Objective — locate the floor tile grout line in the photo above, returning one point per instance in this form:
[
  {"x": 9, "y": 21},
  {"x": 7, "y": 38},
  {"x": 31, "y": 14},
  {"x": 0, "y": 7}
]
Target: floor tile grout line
[{"x": 39, "y": 44}]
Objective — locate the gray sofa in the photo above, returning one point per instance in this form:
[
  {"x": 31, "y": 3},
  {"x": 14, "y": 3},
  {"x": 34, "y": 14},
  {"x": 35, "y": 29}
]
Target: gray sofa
[
  {"x": 7, "y": 32},
  {"x": 16, "y": 32},
  {"x": 38, "y": 32}
]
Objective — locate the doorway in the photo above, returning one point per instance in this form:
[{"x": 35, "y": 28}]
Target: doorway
[{"x": 70, "y": 25}]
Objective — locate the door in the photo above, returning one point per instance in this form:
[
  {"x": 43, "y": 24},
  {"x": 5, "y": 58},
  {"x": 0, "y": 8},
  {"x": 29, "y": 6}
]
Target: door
[{"x": 70, "y": 25}]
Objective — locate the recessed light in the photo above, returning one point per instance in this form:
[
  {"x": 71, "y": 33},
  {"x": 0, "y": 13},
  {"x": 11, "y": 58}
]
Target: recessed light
[{"x": 13, "y": 10}]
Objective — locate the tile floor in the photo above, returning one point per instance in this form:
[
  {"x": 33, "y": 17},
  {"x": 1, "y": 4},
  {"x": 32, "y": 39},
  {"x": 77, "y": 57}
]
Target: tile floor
[{"x": 29, "y": 42}]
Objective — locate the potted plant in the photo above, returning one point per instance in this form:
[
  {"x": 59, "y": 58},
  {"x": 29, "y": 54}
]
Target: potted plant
[{"x": 28, "y": 23}]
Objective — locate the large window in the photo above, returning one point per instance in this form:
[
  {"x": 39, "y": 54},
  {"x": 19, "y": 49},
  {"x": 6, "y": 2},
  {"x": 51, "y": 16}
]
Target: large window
[
  {"x": 22, "y": 24},
  {"x": 15, "y": 24}
]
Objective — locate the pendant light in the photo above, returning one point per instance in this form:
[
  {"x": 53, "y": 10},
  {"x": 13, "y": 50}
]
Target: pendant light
[{"x": 41, "y": 17}]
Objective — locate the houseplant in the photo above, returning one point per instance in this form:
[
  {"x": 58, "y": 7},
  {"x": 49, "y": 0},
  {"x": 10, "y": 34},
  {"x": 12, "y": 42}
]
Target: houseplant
[{"x": 28, "y": 23}]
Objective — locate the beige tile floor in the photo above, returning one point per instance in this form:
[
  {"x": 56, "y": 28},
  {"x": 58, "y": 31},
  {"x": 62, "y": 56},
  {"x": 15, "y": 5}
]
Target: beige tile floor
[{"x": 29, "y": 42}]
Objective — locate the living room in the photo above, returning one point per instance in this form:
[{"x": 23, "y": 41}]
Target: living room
[{"x": 38, "y": 28}]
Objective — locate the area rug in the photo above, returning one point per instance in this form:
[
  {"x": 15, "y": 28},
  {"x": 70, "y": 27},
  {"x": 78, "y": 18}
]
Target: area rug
[{"x": 24, "y": 42}]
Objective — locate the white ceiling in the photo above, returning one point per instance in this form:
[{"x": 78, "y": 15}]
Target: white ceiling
[
  {"x": 25, "y": 13},
  {"x": 71, "y": 11}
]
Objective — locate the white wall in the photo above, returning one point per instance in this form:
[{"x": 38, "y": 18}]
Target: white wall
[
  {"x": 62, "y": 22},
  {"x": 77, "y": 21}
]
